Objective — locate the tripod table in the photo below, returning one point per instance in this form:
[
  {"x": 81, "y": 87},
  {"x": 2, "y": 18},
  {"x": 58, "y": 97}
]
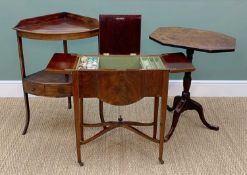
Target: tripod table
[{"x": 191, "y": 40}]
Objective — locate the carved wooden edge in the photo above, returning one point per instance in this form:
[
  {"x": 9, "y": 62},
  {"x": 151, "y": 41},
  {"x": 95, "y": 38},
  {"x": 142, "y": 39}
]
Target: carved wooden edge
[
  {"x": 71, "y": 36},
  {"x": 56, "y": 36},
  {"x": 66, "y": 63},
  {"x": 168, "y": 36}
]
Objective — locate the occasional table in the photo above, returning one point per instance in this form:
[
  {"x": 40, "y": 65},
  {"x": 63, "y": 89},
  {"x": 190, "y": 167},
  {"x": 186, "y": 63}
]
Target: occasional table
[
  {"x": 191, "y": 40},
  {"x": 117, "y": 80},
  {"x": 60, "y": 26}
]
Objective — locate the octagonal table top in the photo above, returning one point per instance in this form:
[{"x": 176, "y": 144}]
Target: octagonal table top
[{"x": 195, "y": 39}]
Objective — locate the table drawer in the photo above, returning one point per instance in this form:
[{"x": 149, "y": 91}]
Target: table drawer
[
  {"x": 33, "y": 88},
  {"x": 62, "y": 90}
]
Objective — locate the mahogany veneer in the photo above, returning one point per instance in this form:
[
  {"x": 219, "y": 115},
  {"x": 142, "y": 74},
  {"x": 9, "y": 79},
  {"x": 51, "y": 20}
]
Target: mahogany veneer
[
  {"x": 119, "y": 35},
  {"x": 59, "y": 26},
  {"x": 194, "y": 39},
  {"x": 43, "y": 83},
  {"x": 61, "y": 63},
  {"x": 116, "y": 86}
]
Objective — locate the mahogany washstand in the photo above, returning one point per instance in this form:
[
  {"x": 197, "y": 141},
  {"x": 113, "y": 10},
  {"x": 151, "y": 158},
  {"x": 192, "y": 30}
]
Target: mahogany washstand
[
  {"x": 60, "y": 26},
  {"x": 191, "y": 40}
]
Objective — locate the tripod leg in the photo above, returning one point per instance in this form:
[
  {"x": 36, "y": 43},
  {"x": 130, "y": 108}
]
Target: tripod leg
[
  {"x": 175, "y": 102},
  {"x": 175, "y": 119},
  {"x": 198, "y": 107},
  {"x": 177, "y": 112}
]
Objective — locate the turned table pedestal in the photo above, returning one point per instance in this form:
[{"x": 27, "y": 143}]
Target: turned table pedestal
[{"x": 191, "y": 40}]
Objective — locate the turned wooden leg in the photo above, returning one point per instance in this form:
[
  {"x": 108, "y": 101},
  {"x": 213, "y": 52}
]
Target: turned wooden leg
[
  {"x": 180, "y": 102},
  {"x": 27, "y": 113},
  {"x": 184, "y": 102},
  {"x": 156, "y": 108},
  {"x": 198, "y": 107},
  {"x": 101, "y": 112}
]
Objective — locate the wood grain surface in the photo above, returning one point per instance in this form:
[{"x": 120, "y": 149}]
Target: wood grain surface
[
  {"x": 195, "y": 39},
  {"x": 58, "y": 26}
]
